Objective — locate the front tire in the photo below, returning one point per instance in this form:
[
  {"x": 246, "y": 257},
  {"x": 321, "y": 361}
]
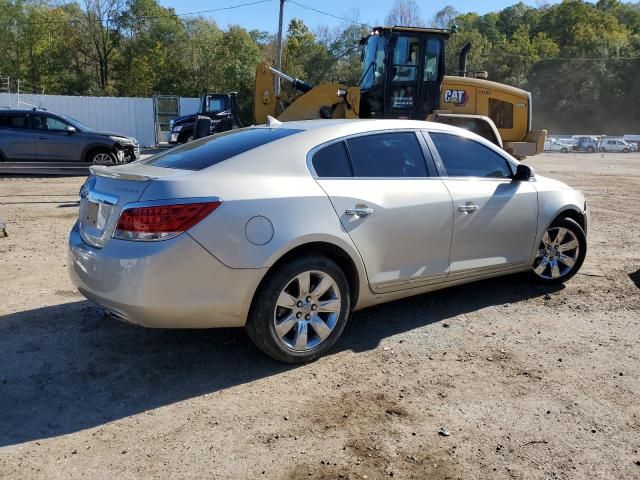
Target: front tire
[
  {"x": 625, "y": 150},
  {"x": 564, "y": 150},
  {"x": 590, "y": 149},
  {"x": 561, "y": 252},
  {"x": 102, "y": 157},
  {"x": 300, "y": 310}
]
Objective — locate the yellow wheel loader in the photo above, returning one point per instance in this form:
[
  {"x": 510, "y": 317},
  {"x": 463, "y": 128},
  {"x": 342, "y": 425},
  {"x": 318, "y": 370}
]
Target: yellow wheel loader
[{"x": 403, "y": 77}]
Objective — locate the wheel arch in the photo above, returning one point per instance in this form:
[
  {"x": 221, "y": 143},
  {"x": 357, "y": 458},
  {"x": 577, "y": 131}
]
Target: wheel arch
[
  {"x": 572, "y": 213},
  {"x": 92, "y": 147},
  {"x": 354, "y": 273}
]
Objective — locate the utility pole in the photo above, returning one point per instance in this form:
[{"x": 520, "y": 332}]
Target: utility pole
[{"x": 279, "y": 49}]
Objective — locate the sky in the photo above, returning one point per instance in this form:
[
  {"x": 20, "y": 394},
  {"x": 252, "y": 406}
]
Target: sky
[{"x": 264, "y": 16}]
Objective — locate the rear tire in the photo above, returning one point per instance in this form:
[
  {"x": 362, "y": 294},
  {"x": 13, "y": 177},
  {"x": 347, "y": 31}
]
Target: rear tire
[
  {"x": 560, "y": 254},
  {"x": 300, "y": 310},
  {"x": 590, "y": 149}
]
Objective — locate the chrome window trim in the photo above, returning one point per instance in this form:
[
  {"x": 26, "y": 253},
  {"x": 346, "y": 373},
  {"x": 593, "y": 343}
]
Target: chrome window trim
[{"x": 328, "y": 143}]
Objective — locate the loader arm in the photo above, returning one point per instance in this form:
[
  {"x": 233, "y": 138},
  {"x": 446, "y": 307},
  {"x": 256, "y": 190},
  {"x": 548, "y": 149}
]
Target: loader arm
[{"x": 327, "y": 100}]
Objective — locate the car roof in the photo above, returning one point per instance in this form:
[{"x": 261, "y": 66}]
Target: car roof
[
  {"x": 357, "y": 125},
  {"x": 26, "y": 110}
]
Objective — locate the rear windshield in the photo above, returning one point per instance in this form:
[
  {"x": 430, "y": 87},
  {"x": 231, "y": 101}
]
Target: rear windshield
[{"x": 217, "y": 148}]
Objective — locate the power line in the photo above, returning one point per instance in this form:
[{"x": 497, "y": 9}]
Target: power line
[
  {"x": 230, "y": 7},
  {"x": 587, "y": 59},
  {"x": 307, "y": 7}
]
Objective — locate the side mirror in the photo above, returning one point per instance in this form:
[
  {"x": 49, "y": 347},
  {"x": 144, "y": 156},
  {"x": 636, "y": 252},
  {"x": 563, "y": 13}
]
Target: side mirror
[
  {"x": 71, "y": 130},
  {"x": 523, "y": 173}
]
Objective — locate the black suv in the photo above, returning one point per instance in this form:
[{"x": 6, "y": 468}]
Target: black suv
[{"x": 37, "y": 135}]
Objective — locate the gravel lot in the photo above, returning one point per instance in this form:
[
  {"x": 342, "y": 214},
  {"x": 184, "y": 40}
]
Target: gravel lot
[{"x": 529, "y": 382}]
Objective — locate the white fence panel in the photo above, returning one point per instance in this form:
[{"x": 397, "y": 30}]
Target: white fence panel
[
  {"x": 126, "y": 115},
  {"x": 189, "y": 105}
]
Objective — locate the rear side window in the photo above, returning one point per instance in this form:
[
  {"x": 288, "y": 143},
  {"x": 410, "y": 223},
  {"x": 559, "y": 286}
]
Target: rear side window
[
  {"x": 463, "y": 157},
  {"x": 13, "y": 121},
  {"x": 217, "y": 148},
  {"x": 387, "y": 155},
  {"x": 332, "y": 161}
]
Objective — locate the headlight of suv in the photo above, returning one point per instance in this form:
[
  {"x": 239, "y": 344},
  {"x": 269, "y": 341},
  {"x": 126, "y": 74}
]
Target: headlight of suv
[
  {"x": 121, "y": 140},
  {"x": 177, "y": 128}
]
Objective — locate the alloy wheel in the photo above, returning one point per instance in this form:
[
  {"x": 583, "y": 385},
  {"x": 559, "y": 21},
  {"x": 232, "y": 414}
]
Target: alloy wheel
[
  {"x": 557, "y": 254},
  {"x": 307, "y": 310},
  {"x": 102, "y": 159}
]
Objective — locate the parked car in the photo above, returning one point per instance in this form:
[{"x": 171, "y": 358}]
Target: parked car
[
  {"x": 553, "y": 145},
  {"x": 615, "y": 145},
  {"x": 38, "y": 135},
  {"x": 585, "y": 144},
  {"x": 288, "y": 228}
]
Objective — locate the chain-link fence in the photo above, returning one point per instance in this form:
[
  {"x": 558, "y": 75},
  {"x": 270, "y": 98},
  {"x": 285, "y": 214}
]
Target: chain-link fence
[{"x": 166, "y": 108}]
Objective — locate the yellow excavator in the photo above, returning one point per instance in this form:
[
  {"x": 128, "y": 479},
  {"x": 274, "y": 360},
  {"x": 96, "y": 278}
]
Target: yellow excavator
[{"x": 403, "y": 77}]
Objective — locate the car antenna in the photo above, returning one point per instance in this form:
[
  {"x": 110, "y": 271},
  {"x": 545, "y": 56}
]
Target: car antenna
[{"x": 272, "y": 122}]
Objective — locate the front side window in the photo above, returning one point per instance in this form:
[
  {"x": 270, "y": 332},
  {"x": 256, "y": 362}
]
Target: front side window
[
  {"x": 463, "y": 157},
  {"x": 217, "y": 148},
  {"x": 390, "y": 155},
  {"x": 501, "y": 113},
  {"x": 55, "y": 124},
  {"x": 42, "y": 122},
  {"x": 216, "y": 104}
]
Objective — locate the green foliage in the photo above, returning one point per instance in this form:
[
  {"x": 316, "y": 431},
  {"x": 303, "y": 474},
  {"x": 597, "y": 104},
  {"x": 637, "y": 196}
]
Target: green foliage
[{"x": 579, "y": 59}]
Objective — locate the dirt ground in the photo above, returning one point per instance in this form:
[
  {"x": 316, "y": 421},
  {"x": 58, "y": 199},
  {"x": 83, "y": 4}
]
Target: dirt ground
[{"x": 529, "y": 382}]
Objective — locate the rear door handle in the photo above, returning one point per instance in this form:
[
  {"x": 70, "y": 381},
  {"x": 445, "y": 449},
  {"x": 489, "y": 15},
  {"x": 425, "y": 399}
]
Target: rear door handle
[
  {"x": 358, "y": 212},
  {"x": 468, "y": 208}
]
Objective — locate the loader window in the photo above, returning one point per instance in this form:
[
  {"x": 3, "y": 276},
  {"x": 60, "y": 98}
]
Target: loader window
[
  {"x": 373, "y": 62},
  {"x": 431, "y": 60},
  {"x": 404, "y": 81},
  {"x": 501, "y": 113}
]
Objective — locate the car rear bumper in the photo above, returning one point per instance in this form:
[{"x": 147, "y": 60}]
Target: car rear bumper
[{"x": 169, "y": 284}]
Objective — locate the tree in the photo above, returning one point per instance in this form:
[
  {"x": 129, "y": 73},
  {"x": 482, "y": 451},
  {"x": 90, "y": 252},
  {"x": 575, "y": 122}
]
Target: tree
[
  {"x": 405, "y": 13},
  {"x": 99, "y": 26},
  {"x": 445, "y": 17}
]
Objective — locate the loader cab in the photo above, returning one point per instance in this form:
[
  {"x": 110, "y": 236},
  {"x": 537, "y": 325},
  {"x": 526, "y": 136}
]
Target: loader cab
[{"x": 402, "y": 70}]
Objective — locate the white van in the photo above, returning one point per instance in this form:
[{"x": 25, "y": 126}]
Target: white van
[{"x": 616, "y": 145}]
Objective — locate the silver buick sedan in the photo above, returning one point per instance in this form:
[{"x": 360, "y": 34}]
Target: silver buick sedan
[{"x": 287, "y": 228}]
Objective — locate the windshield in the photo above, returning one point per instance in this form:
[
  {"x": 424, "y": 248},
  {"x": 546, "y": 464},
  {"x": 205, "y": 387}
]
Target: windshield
[
  {"x": 373, "y": 62},
  {"x": 79, "y": 125}
]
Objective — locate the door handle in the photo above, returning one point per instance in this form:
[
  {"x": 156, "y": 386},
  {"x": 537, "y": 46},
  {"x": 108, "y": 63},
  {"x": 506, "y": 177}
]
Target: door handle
[
  {"x": 468, "y": 208},
  {"x": 42, "y": 138},
  {"x": 358, "y": 212}
]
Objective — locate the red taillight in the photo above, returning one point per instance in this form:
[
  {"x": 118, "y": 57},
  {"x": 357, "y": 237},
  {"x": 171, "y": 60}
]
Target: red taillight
[{"x": 161, "y": 221}]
